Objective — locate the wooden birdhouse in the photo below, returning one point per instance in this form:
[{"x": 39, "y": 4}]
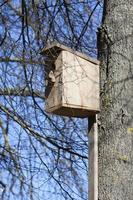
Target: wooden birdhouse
[{"x": 72, "y": 82}]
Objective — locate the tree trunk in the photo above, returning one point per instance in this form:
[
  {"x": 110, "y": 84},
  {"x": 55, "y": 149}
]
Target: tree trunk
[{"x": 115, "y": 45}]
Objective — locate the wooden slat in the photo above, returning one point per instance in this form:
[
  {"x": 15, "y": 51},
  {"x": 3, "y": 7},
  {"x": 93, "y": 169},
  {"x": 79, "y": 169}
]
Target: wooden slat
[{"x": 93, "y": 159}]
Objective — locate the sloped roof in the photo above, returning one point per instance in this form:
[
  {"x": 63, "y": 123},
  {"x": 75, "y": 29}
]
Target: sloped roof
[{"x": 54, "y": 49}]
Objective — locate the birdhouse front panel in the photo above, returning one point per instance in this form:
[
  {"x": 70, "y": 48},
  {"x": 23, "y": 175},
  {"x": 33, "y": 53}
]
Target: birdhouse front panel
[{"x": 54, "y": 98}]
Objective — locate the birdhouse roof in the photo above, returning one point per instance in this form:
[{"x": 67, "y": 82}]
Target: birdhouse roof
[{"x": 53, "y": 50}]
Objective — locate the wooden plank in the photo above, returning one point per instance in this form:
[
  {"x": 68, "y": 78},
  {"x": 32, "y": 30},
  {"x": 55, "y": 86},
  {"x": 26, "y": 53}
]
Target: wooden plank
[{"x": 93, "y": 159}]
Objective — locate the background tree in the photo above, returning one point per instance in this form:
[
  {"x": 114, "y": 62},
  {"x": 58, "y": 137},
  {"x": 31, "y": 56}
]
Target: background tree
[
  {"x": 115, "y": 44},
  {"x": 42, "y": 156}
]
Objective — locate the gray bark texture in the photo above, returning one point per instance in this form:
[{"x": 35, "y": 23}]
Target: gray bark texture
[{"x": 115, "y": 45}]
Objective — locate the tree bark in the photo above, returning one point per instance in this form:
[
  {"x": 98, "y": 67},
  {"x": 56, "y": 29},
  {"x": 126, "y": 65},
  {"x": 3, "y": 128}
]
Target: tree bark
[{"x": 115, "y": 46}]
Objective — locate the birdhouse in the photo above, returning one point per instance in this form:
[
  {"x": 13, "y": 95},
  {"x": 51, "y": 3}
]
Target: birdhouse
[{"x": 72, "y": 82}]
